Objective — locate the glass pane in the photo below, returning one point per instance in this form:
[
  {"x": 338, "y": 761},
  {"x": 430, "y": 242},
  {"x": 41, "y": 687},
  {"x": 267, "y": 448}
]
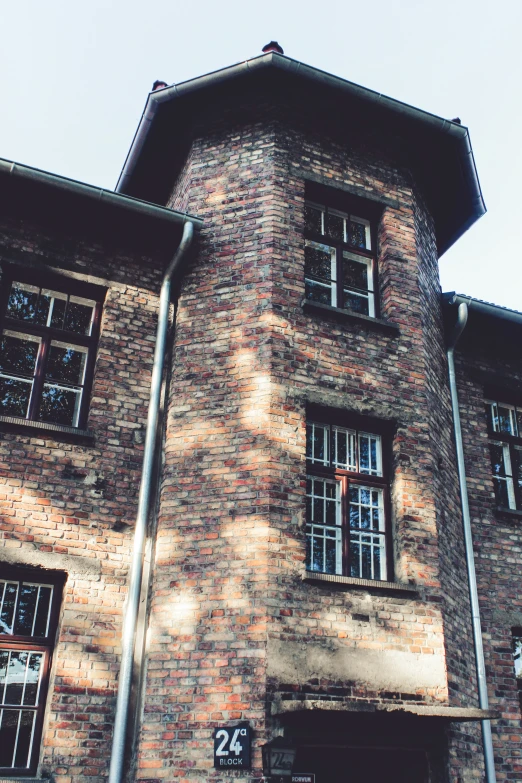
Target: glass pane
[
  {"x": 318, "y": 263},
  {"x": 59, "y": 406},
  {"x": 356, "y": 234},
  {"x": 505, "y": 419},
  {"x": 66, "y": 364},
  {"x": 318, "y": 558},
  {"x": 16, "y": 672},
  {"x": 318, "y": 509},
  {"x": 34, "y": 665},
  {"x": 517, "y": 655},
  {"x": 517, "y": 472},
  {"x": 318, "y": 293},
  {"x": 340, "y": 448},
  {"x": 8, "y": 731},
  {"x": 519, "y": 422},
  {"x": 317, "y": 443},
  {"x": 491, "y": 416},
  {"x": 501, "y": 492},
  {"x": 79, "y": 315},
  {"x": 18, "y": 355},
  {"x": 23, "y": 301},
  {"x": 355, "y": 274},
  {"x": 24, "y": 739},
  {"x": 355, "y": 557},
  {"x": 4, "y": 661},
  {"x": 8, "y": 593},
  {"x": 59, "y": 304},
  {"x": 41, "y": 620},
  {"x": 309, "y": 563},
  {"x": 365, "y": 518},
  {"x": 330, "y": 556},
  {"x": 497, "y": 453},
  {"x": 359, "y": 304},
  {"x": 331, "y": 512},
  {"x": 366, "y": 561},
  {"x": 26, "y": 610},
  {"x": 313, "y": 219},
  {"x": 335, "y": 226},
  {"x": 14, "y": 397}
]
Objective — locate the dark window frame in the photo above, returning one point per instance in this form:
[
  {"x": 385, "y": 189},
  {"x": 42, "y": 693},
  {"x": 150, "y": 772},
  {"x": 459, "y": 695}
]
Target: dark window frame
[
  {"x": 514, "y": 446},
  {"x": 347, "y": 478},
  {"x": 338, "y": 201},
  {"x": 47, "y": 334},
  {"x": 45, "y": 644}
]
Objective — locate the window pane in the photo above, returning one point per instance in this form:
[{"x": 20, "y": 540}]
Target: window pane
[
  {"x": 498, "y": 452},
  {"x": 60, "y": 405},
  {"x": 316, "y": 292},
  {"x": 24, "y": 739},
  {"x": 359, "y": 304},
  {"x": 32, "y": 679},
  {"x": 313, "y": 219},
  {"x": 355, "y": 274},
  {"x": 318, "y": 262},
  {"x": 317, "y": 443},
  {"x": 517, "y": 655},
  {"x": 343, "y": 449},
  {"x": 8, "y": 593},
  {"x": 14, "y": 397},
  {"x": 23, "y": 301},
  {"x": 41, "y": 619},
  {"x": 15, "y": 678},
  {"x": 335, "y": 226},
  {"x": 501, "y": 492},
  {"x": 519, "y": 422},
  {"x": 370, "y": 456},
  {"x": 79, "y": 315},
  {"x": 357, "y": 234},
  {"x": 18, "y": 354},
  {"x": 58, "y": 304},
  {"x": 517, "y": 472},
  {"x": 506, "y": 419},
  {"x": 66, "y": 363},
  {"x": 26, "y": 610}
]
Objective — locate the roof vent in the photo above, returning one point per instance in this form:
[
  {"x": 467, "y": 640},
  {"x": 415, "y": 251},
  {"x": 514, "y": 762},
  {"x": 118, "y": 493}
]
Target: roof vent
[
  {"x": 159, "y": 85},
  {"x": 273, "y": 46}
]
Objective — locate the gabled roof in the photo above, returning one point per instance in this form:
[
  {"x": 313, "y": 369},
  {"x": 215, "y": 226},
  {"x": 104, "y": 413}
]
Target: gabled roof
[{"x": 439, "y": 150}]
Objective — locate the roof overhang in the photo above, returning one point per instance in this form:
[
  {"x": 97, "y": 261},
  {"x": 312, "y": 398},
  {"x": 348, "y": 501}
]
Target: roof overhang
[
  {"x": 490, "y": 329},
  {"x": 55, "y": 201},
  {"x": 439, "y": 151}
]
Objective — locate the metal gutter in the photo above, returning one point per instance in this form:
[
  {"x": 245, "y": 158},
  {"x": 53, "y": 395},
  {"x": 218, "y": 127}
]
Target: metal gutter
[
  {"x": 483, "y": 308},
  {"x": 487, "y": 742},
  {"x": 129, "y": 203},
  {"x": 273, "y": 59},
  {"x": 144, "y": 504}
]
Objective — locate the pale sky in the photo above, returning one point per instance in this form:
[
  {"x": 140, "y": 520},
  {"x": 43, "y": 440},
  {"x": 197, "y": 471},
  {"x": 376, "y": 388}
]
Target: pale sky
[{"x": 74, "y": 79}]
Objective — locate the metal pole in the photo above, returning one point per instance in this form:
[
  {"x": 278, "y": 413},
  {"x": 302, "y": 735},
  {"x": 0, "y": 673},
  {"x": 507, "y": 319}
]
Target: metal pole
[
  {"x": 487, "y": 741},
  {"x": 131, "y": 611}
]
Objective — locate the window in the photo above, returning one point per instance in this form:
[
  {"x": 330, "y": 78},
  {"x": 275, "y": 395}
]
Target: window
[
  {"x": 339, "y": 262},
  {"x": 505, "y": 447},
  {"x": 28, "y": 617},
  {"x": 48, "y": 348},
  {"x": 346, "y": 492},
  {"x": 517, "y": 660}
]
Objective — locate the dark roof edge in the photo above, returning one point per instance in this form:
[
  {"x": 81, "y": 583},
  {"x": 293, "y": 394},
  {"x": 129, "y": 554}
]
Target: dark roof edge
[
  {"x": 438, "y": 124},
  {"x": 482, "y": 308},
  {"x": 108, "y": 197}
]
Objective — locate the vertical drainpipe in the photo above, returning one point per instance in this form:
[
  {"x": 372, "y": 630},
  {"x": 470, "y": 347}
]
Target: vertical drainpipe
[
  {"x": 144, "y": 501},
  {"x": 487, "y": 741}
]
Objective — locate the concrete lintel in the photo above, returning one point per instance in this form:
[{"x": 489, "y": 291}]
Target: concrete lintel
[{"x": 282, "y": 707}]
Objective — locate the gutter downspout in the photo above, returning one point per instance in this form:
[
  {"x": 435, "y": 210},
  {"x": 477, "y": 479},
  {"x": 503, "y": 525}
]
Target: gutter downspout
[
  {"x": 131, "y": 611},
  {"x": 487, "y": 741}
]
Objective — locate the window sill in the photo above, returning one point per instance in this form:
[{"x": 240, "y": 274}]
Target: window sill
[
  {"x": 352, "y": 582},
  {"x": 509, "y": 513},
  {"x": 46, "y": 429},
  {"x": 316, "y": 308}
]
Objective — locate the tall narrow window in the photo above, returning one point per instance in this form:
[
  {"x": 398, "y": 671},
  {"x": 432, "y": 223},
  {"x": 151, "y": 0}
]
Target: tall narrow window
[
  {"x": 339, "y": 259},
  {"x": 346, "y": 502},
  {"x": 47, "y": 348},
  {"x": 29, "y": 607},
  {"x": 505, "y": 447}
]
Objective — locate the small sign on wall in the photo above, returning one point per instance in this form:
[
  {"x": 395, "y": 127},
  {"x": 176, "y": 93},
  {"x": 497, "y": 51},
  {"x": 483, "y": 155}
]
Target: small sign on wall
[
  {"x": 303, "y": 777},
  {"x": 232, "y": 747}
]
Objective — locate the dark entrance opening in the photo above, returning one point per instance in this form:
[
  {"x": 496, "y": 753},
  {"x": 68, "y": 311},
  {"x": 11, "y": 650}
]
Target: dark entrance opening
[{"x": 363, "y": 765}]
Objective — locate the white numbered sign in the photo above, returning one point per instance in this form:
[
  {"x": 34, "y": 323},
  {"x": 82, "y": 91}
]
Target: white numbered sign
[{"x": 232, "y": 747}]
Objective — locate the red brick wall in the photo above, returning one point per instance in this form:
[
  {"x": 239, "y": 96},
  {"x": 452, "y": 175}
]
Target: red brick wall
[
  {"x": 247, "y": 361},
  {"x": 71, "y": 507}
]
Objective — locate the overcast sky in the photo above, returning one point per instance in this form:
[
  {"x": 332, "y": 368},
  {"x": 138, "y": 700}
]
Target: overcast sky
[{"x": 74, "y": 78}]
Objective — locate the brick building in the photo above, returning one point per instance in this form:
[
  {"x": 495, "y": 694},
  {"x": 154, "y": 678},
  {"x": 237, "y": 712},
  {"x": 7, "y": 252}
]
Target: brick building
[{"x": 299, "y": 565}]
